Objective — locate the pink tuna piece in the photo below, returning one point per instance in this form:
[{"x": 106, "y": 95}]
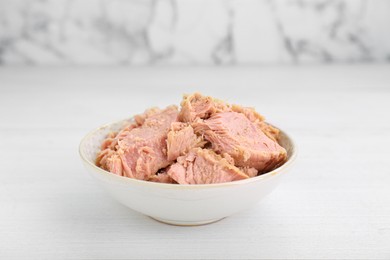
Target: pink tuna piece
[
  {"x": 243, "y": 140},
  {"x": 258, "y": 119},
  {"x": 212, "y": 142},
  {"x": 143, "y": 150},
  {"x": 204, "y": 166},
  {"x": 162, "y": 177},
  {"x": 198, "y": 106},
  {"x": 250, "y": 171},
  {"x": 181, "y": 139}
]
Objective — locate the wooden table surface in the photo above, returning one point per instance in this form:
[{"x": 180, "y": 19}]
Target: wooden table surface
[{"x": 334, "y": 204}]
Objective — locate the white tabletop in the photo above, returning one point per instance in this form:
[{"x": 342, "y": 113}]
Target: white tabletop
[{"x": 335, "y": 203}]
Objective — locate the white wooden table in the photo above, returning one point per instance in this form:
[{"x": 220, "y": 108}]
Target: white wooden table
[{"x": 334, "y": 204}]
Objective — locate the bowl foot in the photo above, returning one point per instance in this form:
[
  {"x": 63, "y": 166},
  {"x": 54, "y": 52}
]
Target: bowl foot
[{"x": 186, "y": 223}]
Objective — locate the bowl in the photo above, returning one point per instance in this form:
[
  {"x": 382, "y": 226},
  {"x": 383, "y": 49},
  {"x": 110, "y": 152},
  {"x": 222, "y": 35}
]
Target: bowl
[{"x": 181, "y": 204}]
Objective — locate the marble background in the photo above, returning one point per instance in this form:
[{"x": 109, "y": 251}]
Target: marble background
[{"x": 193, "y": 32}]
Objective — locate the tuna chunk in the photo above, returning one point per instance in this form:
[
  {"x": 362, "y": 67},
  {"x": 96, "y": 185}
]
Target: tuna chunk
[
  {"x": 197, "y": 106},
  {"x": 249, "y": 112},
  {"x": 111, "y": 142},
  {"x": 139, "y": 150},
  {"x": 143, "y": 150},
  {"x": 109, "y": 160},
  {"x": 258, "y": 119},
  {"x": 250, "y": 171},
  {"x": 204, "y": 166},
  {"x": 140, "y": 119},
  {"x": 181, "y": 139},
  {"x": 269, "y": 130},
  {"x": 233, "y": 133},
  {"x": 208, "y": 141},
  {"x": 162, "y": 177}
]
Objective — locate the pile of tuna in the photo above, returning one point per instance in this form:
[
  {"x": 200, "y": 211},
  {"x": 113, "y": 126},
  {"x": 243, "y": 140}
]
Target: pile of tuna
[{"x": 206, "y": 141}]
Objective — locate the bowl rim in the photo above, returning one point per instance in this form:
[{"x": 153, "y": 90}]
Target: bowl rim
[{"x": 125, "y": 180}]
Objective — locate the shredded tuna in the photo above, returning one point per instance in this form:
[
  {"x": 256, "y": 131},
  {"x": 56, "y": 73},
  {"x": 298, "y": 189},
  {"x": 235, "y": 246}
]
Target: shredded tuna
[
  {"x": 207, "y": 141},
  {"x": 181, "y": 139},
  {"x": 249, "y": 112},
  {"x": 162, "y": 177},
  {"x": 197, "y": 106},
  {"x": 250, "y": 171},
  {"x": 141, "y": 148},
  {"x": 204, "y": 166},
  {"x": 243, "y": 140}
]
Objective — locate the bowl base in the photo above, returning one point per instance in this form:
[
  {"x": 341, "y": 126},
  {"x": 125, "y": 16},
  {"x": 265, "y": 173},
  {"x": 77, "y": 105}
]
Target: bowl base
[{"x": 186, "y": 223}]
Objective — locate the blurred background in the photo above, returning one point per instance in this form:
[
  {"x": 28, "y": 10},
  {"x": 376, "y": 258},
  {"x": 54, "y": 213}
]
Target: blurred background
[{"x": 193, "y": 32}]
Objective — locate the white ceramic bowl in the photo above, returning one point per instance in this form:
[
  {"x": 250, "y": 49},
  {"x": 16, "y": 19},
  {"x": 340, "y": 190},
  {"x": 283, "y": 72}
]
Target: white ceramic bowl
[{"x": 181, "y": 204}]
